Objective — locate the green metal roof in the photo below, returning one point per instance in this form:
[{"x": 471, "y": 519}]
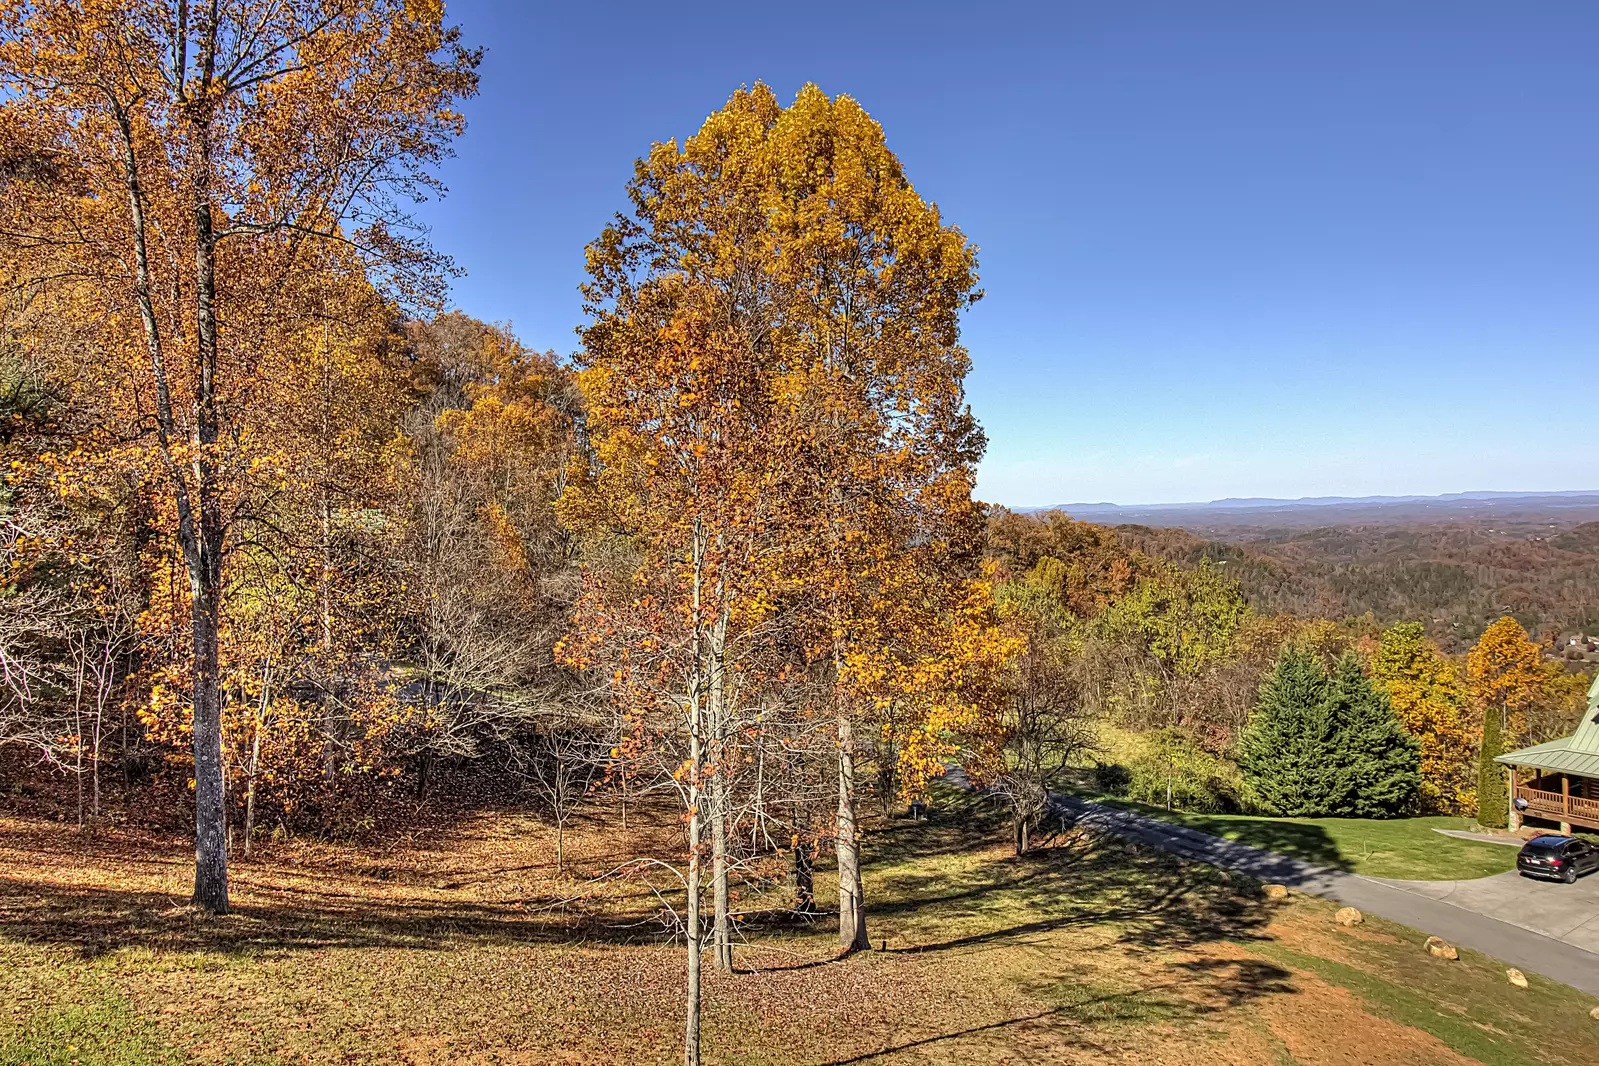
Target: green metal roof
[{"x": 1577, "y": 754}]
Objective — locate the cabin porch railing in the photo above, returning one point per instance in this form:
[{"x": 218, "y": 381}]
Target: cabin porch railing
[{"x": 1559, "y": 807}]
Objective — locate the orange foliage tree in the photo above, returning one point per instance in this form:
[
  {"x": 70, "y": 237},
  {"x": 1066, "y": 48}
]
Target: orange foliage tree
[
  {"x": 180, "y": 167},
  {"x": 781, "y": 499},
  {"x": 680, "y": 511},
  {"x": 871, "y": 284}
]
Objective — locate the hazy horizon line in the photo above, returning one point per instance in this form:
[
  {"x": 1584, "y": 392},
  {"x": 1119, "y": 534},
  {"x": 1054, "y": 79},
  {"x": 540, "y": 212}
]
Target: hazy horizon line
[{"x": 1311, "y": 501}]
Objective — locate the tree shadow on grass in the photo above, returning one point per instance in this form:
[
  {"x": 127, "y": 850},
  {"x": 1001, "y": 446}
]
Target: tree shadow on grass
[
  {"x": 1305, "y": 842},
  {"x": 321, "y": 895},
  {"x": 288, "y": 902},
  {"x": 1310, "y": 843},
  {"x": 911, "y": 1045},
  {"x": 1085, "y": 878},
  {"x": 94, "y": 921},
  {"x": 1077, "y": 1007},
  {"x": 1154, "y": 899},
  {"x": 944, "y": 887},
  {"x": 1090, "y": 880}
]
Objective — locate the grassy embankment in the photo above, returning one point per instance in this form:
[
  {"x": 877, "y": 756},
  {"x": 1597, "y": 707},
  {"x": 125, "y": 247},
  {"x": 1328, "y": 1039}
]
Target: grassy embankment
[
  {"x": 1402, "y": 848},
  {"x": 455, "y": 948}
]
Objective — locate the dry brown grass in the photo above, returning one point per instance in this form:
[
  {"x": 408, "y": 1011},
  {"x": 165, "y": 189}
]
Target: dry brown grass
[{"x": 455, "y": 947}]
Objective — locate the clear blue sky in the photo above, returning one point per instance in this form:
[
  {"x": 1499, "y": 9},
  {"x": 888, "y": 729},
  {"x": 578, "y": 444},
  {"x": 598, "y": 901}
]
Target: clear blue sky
[{"x": 1230, "y": 249}]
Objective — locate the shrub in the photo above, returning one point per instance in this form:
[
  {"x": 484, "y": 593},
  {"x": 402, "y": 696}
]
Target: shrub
[
  {"x": 1200, "y": 781},
  {"x": 1492, "y": 801},
  {"x": 1111, "y": 778}
]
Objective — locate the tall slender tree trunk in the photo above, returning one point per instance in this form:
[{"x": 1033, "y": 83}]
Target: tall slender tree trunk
[
  {"x": 696, "y": 799},
  {"x": 722, "y": 936},
  {"x": 102, "y": 685},
  {"x": 851, "y": 891},
  {"x": 210, "y": 803},
  {"x": 94, "y": 761},
  {"x": 210, "y": 809},
  {"x": 255, "y": 760},
  {"x": 227, "y": 803},
  {"x": 78, "y": 777},
  {"x": 851, "y": 897},
  {"x": 691, "y": 1028},
  {"x": 77, "y": 718},
  {"x": 720, "y": 783},
  {"x": 249, "y": 793},
  {"x": 330, "y": 725},
  {"x": 198, "y": 507}
]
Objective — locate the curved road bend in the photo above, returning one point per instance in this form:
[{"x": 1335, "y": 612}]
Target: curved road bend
[{"x": 1524, "y": 948}]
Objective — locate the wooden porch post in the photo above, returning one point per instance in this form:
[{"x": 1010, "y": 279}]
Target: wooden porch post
[
  {"x": 1565, "y": 801},
  {"x": 1515, "y": 815}
]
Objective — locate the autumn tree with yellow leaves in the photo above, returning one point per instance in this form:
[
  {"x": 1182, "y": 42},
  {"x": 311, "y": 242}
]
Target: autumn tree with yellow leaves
[
  {"x": 784, "y": 460},
  {"x": 1504, "y": 673},
  {"x": 871, "y": 284},
  {"x": 174, "y": 168},
  {"x": 1428, "y": 694},
  {"x": 680, "y": 512},
  {"x": 1505, "y": 678}
]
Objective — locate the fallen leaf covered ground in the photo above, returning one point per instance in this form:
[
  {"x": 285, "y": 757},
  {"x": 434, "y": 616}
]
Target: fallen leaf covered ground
[{"x": 461, "y": 944}]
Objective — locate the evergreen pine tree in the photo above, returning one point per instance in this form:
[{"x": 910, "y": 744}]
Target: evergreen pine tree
[
  {"x": 1286, "y": 751},
  {"x": 1378, "y": 763},
  {"x": 1492, "y": 803}
]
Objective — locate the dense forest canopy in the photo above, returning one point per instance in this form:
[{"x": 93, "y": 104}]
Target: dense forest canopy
[{"x": 1455, "y": 577}]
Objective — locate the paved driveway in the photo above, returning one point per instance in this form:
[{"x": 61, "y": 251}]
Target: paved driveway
[
  {"x": 1548, "y": 929},
  {"x": 1564, "y": 912}
]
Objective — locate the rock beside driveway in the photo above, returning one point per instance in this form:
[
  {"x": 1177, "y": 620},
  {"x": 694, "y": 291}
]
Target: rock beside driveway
[
  {"x": 1348, "y": 916},
  {"x": 1516, "y": 977},
  {"x": 1443, "y": 949},
  {"x": 1275, "y": 891}
]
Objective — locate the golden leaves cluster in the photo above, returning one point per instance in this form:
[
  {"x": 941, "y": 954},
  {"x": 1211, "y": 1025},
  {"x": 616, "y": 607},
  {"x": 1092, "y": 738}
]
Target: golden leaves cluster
[{"x": 774, "y": 386}]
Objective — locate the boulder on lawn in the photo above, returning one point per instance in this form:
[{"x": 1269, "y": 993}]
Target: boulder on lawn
[
  {"x": 1348, "y": 916},
  {"x": 1594, "y": 1014},
  {"x": 1516, "y": 977},
  {"x": 1437, "y": 945},
  {"x": 1275, "y": 891}
]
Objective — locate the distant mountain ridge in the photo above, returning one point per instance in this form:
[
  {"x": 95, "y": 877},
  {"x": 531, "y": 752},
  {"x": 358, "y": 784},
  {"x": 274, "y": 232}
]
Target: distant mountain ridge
[
  {"x": 1453, "y": 562},
  {"x": 1235, "y": 503}
]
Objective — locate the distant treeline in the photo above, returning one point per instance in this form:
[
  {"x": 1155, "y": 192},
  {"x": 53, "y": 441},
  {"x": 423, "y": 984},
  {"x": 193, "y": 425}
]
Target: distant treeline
[{"x": 1455, "y": 578}]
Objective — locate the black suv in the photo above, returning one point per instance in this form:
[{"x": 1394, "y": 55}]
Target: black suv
[{"x": 1557, "y": 858}]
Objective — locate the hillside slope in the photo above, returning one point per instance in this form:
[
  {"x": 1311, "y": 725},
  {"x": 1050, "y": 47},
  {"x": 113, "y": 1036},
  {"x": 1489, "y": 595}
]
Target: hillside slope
[{"x": 1455, "y": 577}]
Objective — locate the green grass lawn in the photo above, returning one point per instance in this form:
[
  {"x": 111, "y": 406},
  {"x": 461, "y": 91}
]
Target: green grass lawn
[{"x": 1403, "y": 848}]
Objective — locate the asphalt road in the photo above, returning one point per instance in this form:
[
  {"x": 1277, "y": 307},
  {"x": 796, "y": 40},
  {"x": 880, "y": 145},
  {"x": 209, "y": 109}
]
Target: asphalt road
[{"x": 1395, "y": 900}]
